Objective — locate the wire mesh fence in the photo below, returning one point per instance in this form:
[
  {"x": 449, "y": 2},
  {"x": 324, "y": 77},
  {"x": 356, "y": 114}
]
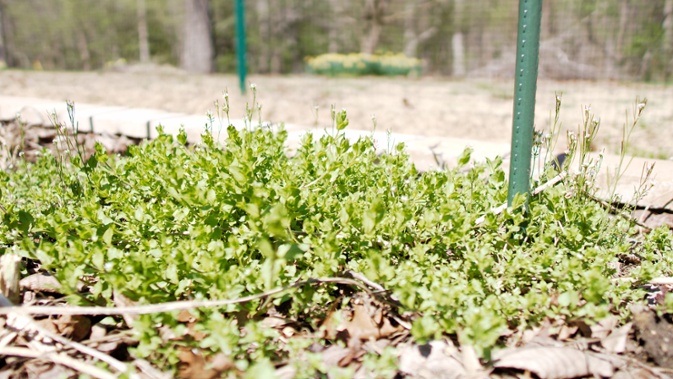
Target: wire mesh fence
[
  {"x": 596, "y": 51},
  {"x": 581, "y": 39}
]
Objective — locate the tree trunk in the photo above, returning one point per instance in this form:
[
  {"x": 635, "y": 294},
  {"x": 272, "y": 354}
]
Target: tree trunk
[
  {"x": 548, "y": 20},
  {"x": 458, "y": 51},
  {"x": 334, "y": 25},
  {"x": 143, "y": 36},
  {"x": 457, "y": 40},
  {"x": 667, "y": 40},
  {"x": 5, "y": 55},
  {"x": 621, "y": 33},
  {"x": 264, "y": 55},
  {"x": 197, "y": 49},
  {"x": 83, "y": 47},
  {"x": 371, "y": 39},
  {"x": 374, "y": 19},
  {"x": 413, "y": 36}
]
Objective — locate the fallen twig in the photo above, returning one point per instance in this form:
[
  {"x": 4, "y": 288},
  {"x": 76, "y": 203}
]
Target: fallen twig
[
  {"x": 616, "y": 211},
  {"x": 169, "y": 306},
  {"x": 58, "y": 358},
  {"x": 21, "y": 322},
  {"x": 365, "y": 280},
  {"x": 663, "y": 281}
]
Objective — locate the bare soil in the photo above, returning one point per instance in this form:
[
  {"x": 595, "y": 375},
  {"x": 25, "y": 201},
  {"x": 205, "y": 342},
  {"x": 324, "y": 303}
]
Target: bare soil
[{"x": 476, "y": 108}]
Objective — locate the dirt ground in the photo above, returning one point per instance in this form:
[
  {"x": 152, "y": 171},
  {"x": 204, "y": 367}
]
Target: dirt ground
[{"x": 431, "y": 106}]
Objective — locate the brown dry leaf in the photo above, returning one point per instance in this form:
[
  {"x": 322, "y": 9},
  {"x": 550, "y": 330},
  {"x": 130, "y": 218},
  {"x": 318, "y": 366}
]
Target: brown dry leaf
[
  {"x": 194, "y": 366},
  {"x": 333, "y": 355},
  {"x": 57, "y": 371},
  {"x": 364, "y": 319},
  {"x": 471, "y": 361},
  {"x": 616, "y": 341},
  {"x": 543, "y": 341},
  {"x": 106, "y": 342},
  {"x": 377, "y": 346},
  {"x": 434, "y": 360},
  {"x": 583, "y": 328},
  {"x": 286, "y": 372},
  {"x": 353, "y": 358},
  {"x": 656, "y": 335},
  {"x": 639, "y": 373},
  {"x": 605, "y": 327},
  {"x": 45, "y": 283},
  {"x": 554, "y": 362},
  {"x": 567, "y": 331},
  {"x": 41, "y": 369},
  {"x": 185, "y": 316},
  {"x": 40, "y": 282},
  {"x": 274, "y": 322},
  {"x": 654, "y": 218},
  {"x": 74, "y": 327}
]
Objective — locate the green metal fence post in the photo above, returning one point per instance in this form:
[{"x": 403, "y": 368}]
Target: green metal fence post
[
  {"x": 525, "y": 84},
  {"x": 240, "y": 43}
]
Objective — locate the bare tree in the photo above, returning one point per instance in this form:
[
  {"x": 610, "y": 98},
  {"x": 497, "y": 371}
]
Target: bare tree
[
  {"x": 337, "y": 8},
  {"x": 667, "y": 40},
  {"x": 83, "y": 48},
  {"x": 4, "y": 35},
  {"x": 197, "y": 48},
  {"x": 374, "y": 15},
  {"x": 457, "y": 45},
  {"x": 277, "y": 25},
  {"x": 416, "y": 26},
  {"x": 143, "y": 36}
]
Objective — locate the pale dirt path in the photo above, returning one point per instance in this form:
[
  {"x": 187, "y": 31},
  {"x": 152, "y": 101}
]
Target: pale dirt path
[{"x": 477, "y": 109}]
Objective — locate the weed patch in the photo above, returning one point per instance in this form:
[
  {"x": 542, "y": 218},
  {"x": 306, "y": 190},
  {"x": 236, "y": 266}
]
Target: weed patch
[{"x": 171, "y": 223}]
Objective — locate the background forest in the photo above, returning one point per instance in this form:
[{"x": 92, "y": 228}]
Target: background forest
[{"x": 581, "y": 39}]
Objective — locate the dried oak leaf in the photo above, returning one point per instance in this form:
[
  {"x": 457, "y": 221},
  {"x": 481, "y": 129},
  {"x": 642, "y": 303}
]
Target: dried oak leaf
[
  {"x": 193, "y": 365},
  {"x": 74, "y": 327},
  {"x": 436, "y": 359},
  {"x": 364, "y": 319},
  {"x": 605, "y": 327},
  {"x": 656, "y": 336},
  {"x": 554, "y": 362},
  {"x": 616, "y": 341},
  {"x": 639, "y": 373}
]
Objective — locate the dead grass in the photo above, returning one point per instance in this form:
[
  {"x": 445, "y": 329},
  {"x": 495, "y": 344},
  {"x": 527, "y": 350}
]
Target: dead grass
[{"x": 430, "y": 106}]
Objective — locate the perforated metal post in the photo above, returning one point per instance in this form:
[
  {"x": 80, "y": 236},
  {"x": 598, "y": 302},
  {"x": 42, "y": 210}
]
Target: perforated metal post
[
  {"x": 525, "y": 85},
  {"x": 240, "y": 44}
]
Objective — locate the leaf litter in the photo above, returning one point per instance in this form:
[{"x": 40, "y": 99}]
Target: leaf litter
[{"x": 362, "y": 324}]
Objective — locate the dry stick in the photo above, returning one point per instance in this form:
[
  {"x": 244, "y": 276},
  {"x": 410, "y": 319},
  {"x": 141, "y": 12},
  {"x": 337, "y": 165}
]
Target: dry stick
[
  {"x": 365, "y": 280},
  {"x": 550, "y": 183},
  {"x": 613, "y": 209},
  {"x": 61, "y": 359},
  {"x": 146, "y": 368},
  {"x": 664, "y": 281},
  {"x": 113, "y": 362},
  {"x": 21, "y": 322},
  {"x": 169, "y": 306}
]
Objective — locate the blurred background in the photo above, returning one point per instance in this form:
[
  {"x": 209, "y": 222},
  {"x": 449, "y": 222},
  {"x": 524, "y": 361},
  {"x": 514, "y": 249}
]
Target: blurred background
[
  {"x": 581, "y": 39},
  {"x": 604, "y": 53}
]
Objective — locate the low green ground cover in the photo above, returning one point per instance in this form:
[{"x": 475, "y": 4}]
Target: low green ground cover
[{"x": 221, "y": 221}]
